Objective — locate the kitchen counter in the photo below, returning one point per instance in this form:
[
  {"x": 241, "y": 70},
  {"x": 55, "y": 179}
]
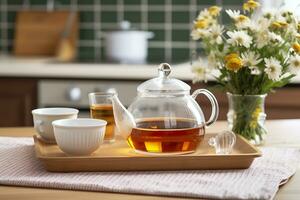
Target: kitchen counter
[
  {"x": 277, "y": 137},
  {"x": 49, "y": 68}
]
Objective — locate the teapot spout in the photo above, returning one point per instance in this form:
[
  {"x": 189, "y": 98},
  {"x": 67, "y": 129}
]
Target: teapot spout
[{"x": 123, "y": 118}]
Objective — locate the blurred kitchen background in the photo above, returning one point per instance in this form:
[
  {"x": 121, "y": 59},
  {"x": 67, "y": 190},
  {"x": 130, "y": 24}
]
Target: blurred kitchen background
[
  {"x": 169, "y": 20},
  {"x": 54, "y": 52}
]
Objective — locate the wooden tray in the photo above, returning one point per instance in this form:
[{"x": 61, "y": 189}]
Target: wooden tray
[{"x": 119, "y": 157}]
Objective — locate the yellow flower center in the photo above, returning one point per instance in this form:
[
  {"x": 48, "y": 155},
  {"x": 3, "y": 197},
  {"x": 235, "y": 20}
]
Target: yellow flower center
[
  {"x": 202, "y": 23},
  {"x": 234, "y": 64},
  {"x": 296, "y": 47},
  {"x": 242, "y": 18},
  {"x": 239, "y": 40},
  {"x": 276, "y": 25},
  {"x": 250, "y": 5},
  {"x": 297, "y": 63},
  {"x": 253, "y": 4},
  {"x": 214, "y": 10},
  {"x": 283, "y": 24},
  {"x": 272, "y": 68},
  {"x": 231, "y": 55}
]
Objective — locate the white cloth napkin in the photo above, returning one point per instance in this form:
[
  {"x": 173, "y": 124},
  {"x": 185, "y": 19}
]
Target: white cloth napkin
[{"x": 18, "y": 166}]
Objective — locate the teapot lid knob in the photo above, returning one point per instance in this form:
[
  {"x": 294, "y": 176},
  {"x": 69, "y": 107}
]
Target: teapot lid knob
[
  {"x": 163, "y": 84},
  {"x": 164, "y": 70}
]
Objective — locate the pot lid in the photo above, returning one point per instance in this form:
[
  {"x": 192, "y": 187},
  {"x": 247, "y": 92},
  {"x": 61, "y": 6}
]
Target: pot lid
[
  {"x": 124, "y": 25},
  {"x": 163, "y": 83}
]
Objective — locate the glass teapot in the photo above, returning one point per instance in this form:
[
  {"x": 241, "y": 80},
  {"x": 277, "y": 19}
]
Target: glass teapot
[{"x": 164, "y": 118}]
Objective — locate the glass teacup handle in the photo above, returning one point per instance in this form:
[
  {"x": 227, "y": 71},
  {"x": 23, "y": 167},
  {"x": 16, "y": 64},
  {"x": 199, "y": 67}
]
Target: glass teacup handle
[
  {"x": 39, "y": 126},
  {"x": 223, "y": 142},
  {"x": 214, "y": 105}
]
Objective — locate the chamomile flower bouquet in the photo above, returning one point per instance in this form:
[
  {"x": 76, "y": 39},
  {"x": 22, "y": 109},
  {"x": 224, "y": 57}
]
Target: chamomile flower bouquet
[{"x": 248, "y": 59}]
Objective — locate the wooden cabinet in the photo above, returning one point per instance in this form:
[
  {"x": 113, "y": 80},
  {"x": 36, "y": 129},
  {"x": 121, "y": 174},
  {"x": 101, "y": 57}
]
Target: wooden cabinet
[
  {"x": 283, "y": 104},
  {"x": 17, "y": 98}
]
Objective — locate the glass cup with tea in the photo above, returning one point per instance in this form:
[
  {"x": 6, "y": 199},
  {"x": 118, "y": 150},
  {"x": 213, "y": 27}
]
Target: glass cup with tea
[{"x": 101, "y": 108}]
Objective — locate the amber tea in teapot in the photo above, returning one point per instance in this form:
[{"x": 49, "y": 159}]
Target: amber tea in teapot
[{"x": 159, "y": 135}]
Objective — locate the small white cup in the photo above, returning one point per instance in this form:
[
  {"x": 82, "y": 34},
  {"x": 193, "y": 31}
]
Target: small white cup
[
  {"x": 79, "y": 136},
  {"x": 43, "y": 118}
]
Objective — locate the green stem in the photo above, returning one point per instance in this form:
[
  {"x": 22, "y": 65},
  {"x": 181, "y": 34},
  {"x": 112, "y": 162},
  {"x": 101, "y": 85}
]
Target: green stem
[{"x": 248, "y": 116}]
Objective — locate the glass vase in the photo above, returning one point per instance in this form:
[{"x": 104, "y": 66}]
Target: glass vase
[{"x": 246, "y": 116}]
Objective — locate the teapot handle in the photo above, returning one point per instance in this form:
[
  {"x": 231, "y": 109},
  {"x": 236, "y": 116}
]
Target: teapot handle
[{"x": 214, "y": 104}]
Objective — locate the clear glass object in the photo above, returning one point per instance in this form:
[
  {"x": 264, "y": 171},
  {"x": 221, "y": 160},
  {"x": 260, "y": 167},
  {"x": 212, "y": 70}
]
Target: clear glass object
[
  {"x": 101, "y": 108},
  {"x": 164, "y": 118},
  {"x": 246, "y": 116},
  {"x": 223, "y": 142}
]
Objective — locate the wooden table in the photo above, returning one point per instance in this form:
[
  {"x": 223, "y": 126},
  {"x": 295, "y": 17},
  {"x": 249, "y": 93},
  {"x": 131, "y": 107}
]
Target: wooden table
[{"x": 282, "y": 133}]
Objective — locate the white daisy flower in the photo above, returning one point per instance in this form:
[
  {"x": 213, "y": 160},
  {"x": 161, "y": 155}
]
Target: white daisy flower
[
  {"x": 219, "y": 40},
  {"x": 197, "y": 34},
  {"x": 251, "y": 60},
  {"x": 293, "y": 31},
  {"x": 273, "y": 37},
  {"x": 252, "y": 25},
  {"x": 204, "y": 33},
  {"x": 239, "y": 38},
  {"x": 255, "y": 71},
  {"x": 200, "y": 71},
  {"x": 263, "y": 24},
  {"x": 216, "y": 33},
  {"x": 242, "y": 22},
  {"x": 262, "y": 39},
  {"x": 234, "y": 14},
  {"x": 204, "y": 14},
  {"x": 294, "y": 65},
  {"x": 273, "y": 68}
]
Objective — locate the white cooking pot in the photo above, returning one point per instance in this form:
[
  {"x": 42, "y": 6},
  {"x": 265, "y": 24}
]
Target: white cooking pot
[{"x": 127, "y": 45}]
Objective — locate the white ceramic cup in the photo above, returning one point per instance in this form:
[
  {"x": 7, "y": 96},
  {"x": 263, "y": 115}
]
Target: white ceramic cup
[
  {"x": 79, "y": 136},
  {"x": 43, "y": 118}
]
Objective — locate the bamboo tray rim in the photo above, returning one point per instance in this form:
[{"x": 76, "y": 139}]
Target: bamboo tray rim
[
  {"x": 256, "y": 153},
  {"x": 120, "y": 157}
]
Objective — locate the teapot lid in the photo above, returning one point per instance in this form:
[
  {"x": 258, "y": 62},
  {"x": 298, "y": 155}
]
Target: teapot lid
[{"x": 163, "y": 83}]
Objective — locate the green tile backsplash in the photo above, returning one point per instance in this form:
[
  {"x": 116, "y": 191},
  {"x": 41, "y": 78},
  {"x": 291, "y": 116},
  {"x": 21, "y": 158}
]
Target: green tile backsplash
[{"x": 170, "y": 20}]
